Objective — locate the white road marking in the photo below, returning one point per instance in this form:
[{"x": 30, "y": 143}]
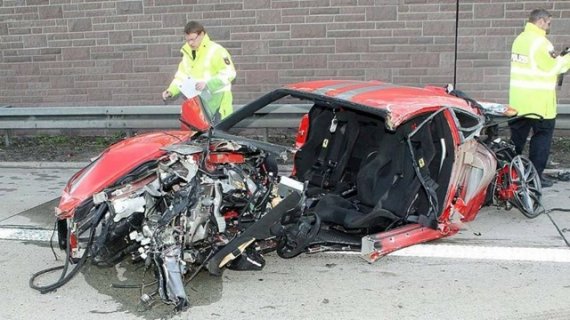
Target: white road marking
[
  {"x": 482, "y": 253},
  {"x": 486, "y": 253},
  {"x": 420, "y": 250},
  {"x": 26, "y": 234}
]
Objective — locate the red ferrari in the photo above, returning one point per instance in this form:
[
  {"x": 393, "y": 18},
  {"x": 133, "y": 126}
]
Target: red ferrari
[{"x": 376, "y": 167}]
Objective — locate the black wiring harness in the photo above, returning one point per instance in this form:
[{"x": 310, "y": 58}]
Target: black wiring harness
[{"x": 65, "y": 275}]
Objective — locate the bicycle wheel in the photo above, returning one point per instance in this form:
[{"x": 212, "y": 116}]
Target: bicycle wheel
[{"x": 527, "y": 188}]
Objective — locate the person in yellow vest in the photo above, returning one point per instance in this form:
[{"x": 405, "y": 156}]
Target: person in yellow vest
[
  {"x": 535, "y": 68},
  {"x": 210, "y": 66}
]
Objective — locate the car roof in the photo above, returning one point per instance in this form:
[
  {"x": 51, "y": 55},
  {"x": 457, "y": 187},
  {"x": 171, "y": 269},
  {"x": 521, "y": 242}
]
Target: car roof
[{"x": 398, "y": 103}]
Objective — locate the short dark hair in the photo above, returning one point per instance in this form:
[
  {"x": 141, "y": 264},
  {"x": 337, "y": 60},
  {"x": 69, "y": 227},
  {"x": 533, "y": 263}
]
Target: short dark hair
[
  {"x": 538, "y": 14},
  {"x": 194, "y": 27}
]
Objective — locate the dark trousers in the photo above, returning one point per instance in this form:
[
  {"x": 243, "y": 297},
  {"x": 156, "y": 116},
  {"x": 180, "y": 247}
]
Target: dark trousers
[{"x": 540, "y": 141}]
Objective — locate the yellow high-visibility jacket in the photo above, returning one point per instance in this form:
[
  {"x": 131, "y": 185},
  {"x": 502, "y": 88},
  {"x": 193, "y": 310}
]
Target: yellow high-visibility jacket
[
  {"x": 534, "y": 72},
  {"x": 213, "y": 65}
]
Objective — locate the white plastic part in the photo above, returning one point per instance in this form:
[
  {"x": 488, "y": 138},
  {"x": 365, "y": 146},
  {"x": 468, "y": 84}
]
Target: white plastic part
[
  {"x": 288, "y": 185},
  {"x": 126, "y": 207},
  {"x": 99, "y": 198}
]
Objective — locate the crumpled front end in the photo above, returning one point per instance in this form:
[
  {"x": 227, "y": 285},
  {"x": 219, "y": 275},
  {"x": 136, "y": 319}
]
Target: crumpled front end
[{"x": 174, "y": 213}]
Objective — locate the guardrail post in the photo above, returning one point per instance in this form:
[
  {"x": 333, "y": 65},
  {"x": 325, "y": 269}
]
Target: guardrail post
[
  {"x": 7, "y": 138},
  {"x": 6, "y": 132}
]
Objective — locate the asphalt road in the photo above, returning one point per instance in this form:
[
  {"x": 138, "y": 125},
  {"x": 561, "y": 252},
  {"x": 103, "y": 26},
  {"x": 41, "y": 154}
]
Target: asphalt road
[{"x": 500, "y": 266}]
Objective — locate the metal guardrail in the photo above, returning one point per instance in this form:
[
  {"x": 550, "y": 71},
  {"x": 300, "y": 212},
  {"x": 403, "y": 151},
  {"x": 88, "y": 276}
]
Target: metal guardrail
[
  {"x": 129, "y": 118},
  {"x": 563, "y": 117},
  {"x": 154, "y": 117}
]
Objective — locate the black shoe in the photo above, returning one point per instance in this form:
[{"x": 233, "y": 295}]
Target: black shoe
[{"x": 545, "y": 182}]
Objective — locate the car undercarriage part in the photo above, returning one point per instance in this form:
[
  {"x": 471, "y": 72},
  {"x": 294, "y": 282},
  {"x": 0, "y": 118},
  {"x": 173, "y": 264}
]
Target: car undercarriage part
[
  {"x": 375, "y": 246},
  {"x": 259, "y": 230},
  {"x": 517, "y": 182},
  {"x": 175, "y": 214}
]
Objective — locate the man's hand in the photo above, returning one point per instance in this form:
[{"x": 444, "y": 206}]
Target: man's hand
[
  {"x": 166, "y": 95},
  {"x": 200, "y": 85}
]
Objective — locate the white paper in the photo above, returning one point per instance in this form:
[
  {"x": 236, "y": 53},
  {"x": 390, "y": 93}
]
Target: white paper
[{"x": 188, "y": 88}]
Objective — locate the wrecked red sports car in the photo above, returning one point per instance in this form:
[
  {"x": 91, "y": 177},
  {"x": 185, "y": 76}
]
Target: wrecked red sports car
[{"x": 375, "y": 167}]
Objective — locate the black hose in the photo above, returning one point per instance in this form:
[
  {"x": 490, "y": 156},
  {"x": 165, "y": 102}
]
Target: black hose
[
  {"x": 554, "y": 223},
  {"x": 45, "y": 289},
  {"x": 130, "y": 286},
  {"x": 51, "y": 241},
  {"x": 66, "y": 277},
  {"x": 557, "y": 209}
]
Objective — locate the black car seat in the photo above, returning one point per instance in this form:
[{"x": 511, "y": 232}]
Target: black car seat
[
  {"x": 323, "y": 158},
  {"x": 376, "y": 175},
  {"x": 387, "y": 184}
]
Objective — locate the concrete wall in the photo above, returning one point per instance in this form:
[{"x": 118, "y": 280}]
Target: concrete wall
[{"x": 83, "y": 52}]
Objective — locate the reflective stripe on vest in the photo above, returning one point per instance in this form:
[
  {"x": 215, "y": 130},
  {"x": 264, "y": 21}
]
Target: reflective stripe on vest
[{"x": 532, "y": 85}]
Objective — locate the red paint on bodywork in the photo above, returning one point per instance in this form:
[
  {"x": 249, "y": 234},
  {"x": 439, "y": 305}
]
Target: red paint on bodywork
[
  {"x": 302, "y": 132},
  {"x": 405, "y": 236},
  {"x": 112, "y": 164},
  {"x": 505, "y": 189},
  {"x": 192, "y": 116},
  {"x": 402, "y": 103},
  {"x": 216, "y": 158}
]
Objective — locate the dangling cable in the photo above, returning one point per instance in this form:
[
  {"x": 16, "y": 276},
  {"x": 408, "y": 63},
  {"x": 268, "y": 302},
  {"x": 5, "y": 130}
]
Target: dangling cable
[
  {"x": 65, "y": 276},
  {"x": 51, "y": 241},
  {"x": 555, "y": 225}
]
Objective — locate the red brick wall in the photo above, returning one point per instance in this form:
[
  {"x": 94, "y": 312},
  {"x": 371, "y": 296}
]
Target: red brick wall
[{"x": 83, "y": 52}]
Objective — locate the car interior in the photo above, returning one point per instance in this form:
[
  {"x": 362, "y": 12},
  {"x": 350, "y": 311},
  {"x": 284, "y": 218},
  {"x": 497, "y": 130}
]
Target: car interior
[{"x": 363, "y": 178}]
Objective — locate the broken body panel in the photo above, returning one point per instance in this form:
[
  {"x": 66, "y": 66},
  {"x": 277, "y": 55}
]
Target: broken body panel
[{"x": 377, "y": 168}]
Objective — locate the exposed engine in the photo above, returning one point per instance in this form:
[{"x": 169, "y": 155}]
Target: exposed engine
[{"x": 175, "y": 213}]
